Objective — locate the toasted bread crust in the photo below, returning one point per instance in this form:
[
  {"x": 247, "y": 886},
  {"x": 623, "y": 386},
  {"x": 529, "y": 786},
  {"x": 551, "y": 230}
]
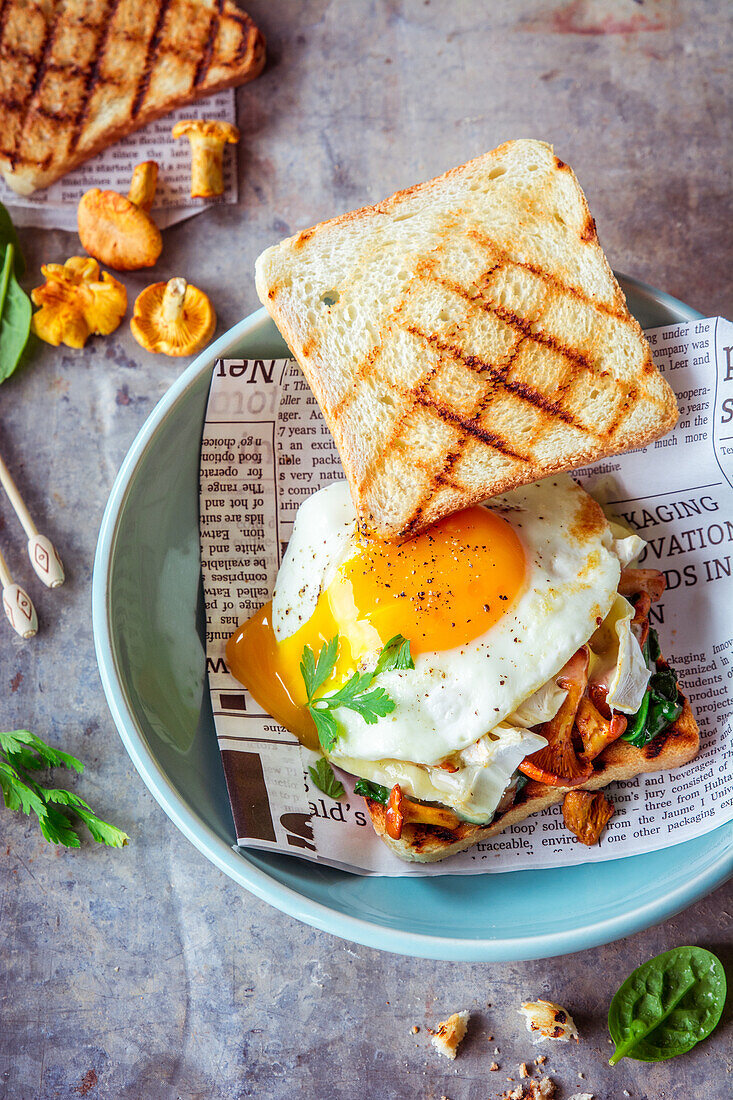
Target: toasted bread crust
[
  {"x": 76, "y": 77},
  {"x": 500, "y": 352},
  {"x": 671, "y": 749}
]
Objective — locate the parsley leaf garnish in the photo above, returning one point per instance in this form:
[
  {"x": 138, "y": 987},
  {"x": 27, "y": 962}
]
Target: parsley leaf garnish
[
  {"x": 356, "y": 694},
  {"x": 22, "y": 752},
  {"x": 323, "y": 778},
  {"x": 395, "y": 655}
]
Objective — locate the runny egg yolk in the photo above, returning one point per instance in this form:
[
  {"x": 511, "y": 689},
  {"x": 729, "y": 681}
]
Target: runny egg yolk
[{"x": 440, "y": 590}]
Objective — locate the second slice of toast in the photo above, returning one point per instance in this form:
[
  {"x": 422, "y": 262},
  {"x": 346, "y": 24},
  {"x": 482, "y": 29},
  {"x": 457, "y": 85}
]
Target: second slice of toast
[{"x": 464, "y": 337}]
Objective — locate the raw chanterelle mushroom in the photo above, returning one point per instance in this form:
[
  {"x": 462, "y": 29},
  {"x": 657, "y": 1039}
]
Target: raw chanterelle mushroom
[
  {"x": 75, "y": 303},
  {"x": 118, "y": 230},
  {"x": 174, "y": 318},
  {"x": 207, "y": 139}
]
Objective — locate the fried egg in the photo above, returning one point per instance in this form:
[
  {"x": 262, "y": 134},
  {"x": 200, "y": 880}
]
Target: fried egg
[{"x": 494, "y": 600}]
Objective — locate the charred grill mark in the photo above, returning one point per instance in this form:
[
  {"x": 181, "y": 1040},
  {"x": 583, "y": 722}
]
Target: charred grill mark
[
  {"x": 632, "y": 393},
  {"x": 92, "y": 77},
  {"x": 203, "y": 65},
  {"x": 361, "y": 372},
  {"x": 499, "y": 375},
  {"x": 39, "y": 64},
  {"x": 577, "y": 358},
  {"x": 470, "y": 427},
  {"x": 656, "y": 745},
  {"x": 53, "y": 116},
  {"x": 249, "y": 36},
  {"x": 550, "y": 280},
  {"x": 553, "y": 408},
  {"x": 150, "y": 57}
]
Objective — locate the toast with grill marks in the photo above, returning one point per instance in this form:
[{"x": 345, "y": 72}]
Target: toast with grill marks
[
  {"x": 672, "y": 748},
  {"x": 77, "y": 75},
  {"x": 464, "y": 337}
]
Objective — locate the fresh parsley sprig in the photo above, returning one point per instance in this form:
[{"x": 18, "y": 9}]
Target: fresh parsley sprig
[
  {"x": 357, "y": 693},
  {"x": 22, "y": 752},
  {"x": 323, "y": 777}
]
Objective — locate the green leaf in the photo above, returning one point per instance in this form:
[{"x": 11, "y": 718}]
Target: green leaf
[
  {"x": 18, "y": 795},
  {"x": 315, "y": 674},
  {"x": 326, "y": 728},
  {"x": 14, "y": 740},
  {"x": 25, "y": 752},
  {"x": 667, "y": 1005},
  {"x": 9, "y": 236},
  {"x": 635, "y": 731},
  {"x": 62, "y": 797},
  {"x": 15, "y": 316},
  {"x": 323, "y": 778},
  {"x": 375, "y": 791},
  {"x": 102, "y": 831},
  {"x": 57, "y": 829},
  {"x": 655, "y": 651},
  {"x": 394, "y": 655},
  {"x": 372, "y": 706},
  {"x": 664, "y": 684},
  {"x": 355, "y": 694}
]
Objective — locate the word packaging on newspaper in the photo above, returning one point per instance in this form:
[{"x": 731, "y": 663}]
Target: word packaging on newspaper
[
  {"x": 54, "y": 207},
  {"x": 266, "y": 448}
]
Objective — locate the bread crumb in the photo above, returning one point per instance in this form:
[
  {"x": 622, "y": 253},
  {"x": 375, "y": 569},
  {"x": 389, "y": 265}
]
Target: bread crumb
[
  {"x": 544, "y": 1089},
  {"x": 414, "y": 1029},
  {"x": 540, "y": 1059},
  {"x": 626, "y": 1092},
  {"x": 496, "y": 1050},
  {"x": 450, "y": 1033},
  {"x": 546, "y": 1020},
  {"x": 490, "y": 1038},
  {"x": 523, "y": 1071},
  {"x": 581, "y": 1076},
  {"x": 494, "y": 1066},
  {"x": 581, "y": 1096}
]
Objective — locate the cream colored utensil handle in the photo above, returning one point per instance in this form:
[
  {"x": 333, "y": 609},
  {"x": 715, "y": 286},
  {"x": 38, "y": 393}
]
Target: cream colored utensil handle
[
  {"x": 41, "y": 551},
  {"x": 17, "y": 604}
]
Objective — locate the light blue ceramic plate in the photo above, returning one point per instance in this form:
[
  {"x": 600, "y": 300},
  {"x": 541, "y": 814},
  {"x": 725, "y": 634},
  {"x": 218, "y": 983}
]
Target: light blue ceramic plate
[{"x": 148, "y": 626}]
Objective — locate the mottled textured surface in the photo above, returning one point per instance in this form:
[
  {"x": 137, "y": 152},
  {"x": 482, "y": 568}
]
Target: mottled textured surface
[{"x": 144, "y": 974}]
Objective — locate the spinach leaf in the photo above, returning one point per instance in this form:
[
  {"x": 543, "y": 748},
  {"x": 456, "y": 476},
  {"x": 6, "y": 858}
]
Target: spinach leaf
[
  {"x": 653, "y": 646},
  {"x": 667, "y": 1005},
  {"x": 323, "y": 778},
  {"x": 15, "y": 315},
  {"x": 9, "y": 236},
  {"x": 375, "y": 791},
  {"x": 661, "y": 704}
]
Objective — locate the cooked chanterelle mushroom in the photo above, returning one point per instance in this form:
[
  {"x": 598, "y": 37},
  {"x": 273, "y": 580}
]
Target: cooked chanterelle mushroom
[
  {"x": 75, "y": 303},
  {"x": 207, "y": 139},
  {"x": 118, "y": 230},
  {"x": 174, "y": 318}
]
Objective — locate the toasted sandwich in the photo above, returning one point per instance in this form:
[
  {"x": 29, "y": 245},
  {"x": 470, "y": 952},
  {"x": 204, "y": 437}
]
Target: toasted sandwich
[
  {"x": 499, "y": 662},
  {"x": 76, "y": 76},
  {"x": 464, "y": 337}
]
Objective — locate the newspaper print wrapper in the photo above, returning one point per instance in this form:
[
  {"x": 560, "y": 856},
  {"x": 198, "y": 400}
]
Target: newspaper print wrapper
[
  {"x": 54, "y": 207},
  {"x": 266, "y": 448}
]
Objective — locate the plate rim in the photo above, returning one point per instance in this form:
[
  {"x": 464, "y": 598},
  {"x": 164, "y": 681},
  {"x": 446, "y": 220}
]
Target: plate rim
[{"x": 228, "y": 858}]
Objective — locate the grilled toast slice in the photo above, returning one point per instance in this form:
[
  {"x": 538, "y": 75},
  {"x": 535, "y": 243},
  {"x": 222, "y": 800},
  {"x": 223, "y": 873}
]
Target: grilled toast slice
[
  {"x": 464, "y": 337},
  {"x": 77, "y": 75},
  {"x": 672, "y": 748}
]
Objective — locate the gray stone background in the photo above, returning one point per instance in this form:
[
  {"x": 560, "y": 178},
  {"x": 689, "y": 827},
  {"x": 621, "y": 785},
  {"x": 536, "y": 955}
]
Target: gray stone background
[{"x": 144, "y": 973}]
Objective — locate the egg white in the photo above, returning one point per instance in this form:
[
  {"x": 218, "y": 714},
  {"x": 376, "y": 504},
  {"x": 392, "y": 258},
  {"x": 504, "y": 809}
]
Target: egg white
[{"x": 452, "y": 698}]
